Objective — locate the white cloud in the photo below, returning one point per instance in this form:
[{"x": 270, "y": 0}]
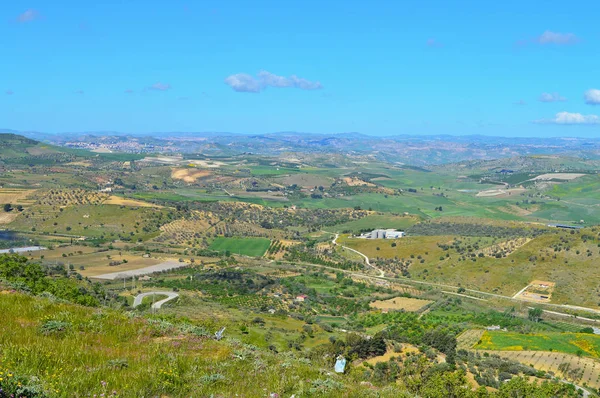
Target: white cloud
[
  {"x": 549, "y": 37},
  {"x": 592, "y": 97},
  {"x": 28, "y": 16},
  {"x": 160, "y": 86},
  {"x": 568, "y": 118},
  {"x": 551, "y": 97},
  {"x": 243, "y": 82}
]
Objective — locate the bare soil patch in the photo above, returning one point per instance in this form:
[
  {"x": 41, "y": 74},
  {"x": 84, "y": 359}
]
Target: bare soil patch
[
  {"x": 558, "y": 176},
  {"x": 400, "y": 303},
  {"x": 501, "y": 192}
]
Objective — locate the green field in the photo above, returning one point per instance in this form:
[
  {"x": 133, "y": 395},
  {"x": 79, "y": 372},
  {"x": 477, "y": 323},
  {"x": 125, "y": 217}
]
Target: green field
[
  {"x": 569, "y": 343},
  {"x": 254, "y": 247},
  {"x": 375, "y": 221}
]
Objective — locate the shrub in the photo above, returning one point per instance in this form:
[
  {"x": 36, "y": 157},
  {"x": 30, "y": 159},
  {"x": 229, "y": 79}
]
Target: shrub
[{"x": 53, "y": 326}]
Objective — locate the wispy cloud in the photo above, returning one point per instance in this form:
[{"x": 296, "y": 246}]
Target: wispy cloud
[
  {"x": 243, "y": 82},
  {"x": 433, "y": 43},
  {"x": 551, "y": 97},
  {"x": 9, "y": 92},
  {"x": 551, "y": 38},
  {"x": 592, "y": 97},
  {"x": 568, "y": 118},
  {"x": 28, "y": 16},
  {"x": 520, "y": 102},
  {"x": 160, "y": 86},
  {"x": 80, "y": 92},
  {"x": 128, "y": 91}
]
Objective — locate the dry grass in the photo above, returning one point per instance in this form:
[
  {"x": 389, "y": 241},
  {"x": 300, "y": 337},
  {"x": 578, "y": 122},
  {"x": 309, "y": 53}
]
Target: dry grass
[
  {"x": 357, "y": 182},
  {"x": 116, "y": 200},
  {"x": 467, "y": 339},
  {"x": 7, "y": 218},
  {"x": 550, "y": 361},
  {"x": 508, "y": 246},
  {"x": 189, "y": 175},
  {"x": 15, "y": 196},
  {"x": 207, "y": 163},
  {"x": 400, "y": 303}
]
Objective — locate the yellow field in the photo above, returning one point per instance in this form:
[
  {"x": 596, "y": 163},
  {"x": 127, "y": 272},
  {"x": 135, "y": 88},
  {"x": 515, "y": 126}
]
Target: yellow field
[
  {"x": 189, "y": 175},
  {"x": 406, "y": 348},
  {"x": 97, "y": 263},
  {"x": 15, "y": 196},
  {"x": 400, "y": 303},
  {"x": 116, "y": 200}
]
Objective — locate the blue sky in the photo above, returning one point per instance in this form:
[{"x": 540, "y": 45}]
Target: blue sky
[{"x": 376, "y": 67}]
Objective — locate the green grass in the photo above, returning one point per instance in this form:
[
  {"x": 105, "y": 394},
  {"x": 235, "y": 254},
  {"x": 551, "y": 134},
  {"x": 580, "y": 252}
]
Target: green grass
[
  {"x": 101, "y": 351},
  {"x": 254, "y": 247},
  {"x": 569, "y": 343},
  {"x": 375, "y": 221}
]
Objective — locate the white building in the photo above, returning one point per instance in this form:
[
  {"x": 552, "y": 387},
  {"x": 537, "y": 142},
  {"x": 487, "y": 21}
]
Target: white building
[{"x": 383, "y": 234}]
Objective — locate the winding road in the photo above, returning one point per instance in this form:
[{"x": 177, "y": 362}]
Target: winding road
[
  {"x": 170, "y": 296},
  {"x": 334, "y": 242},
  {"x": 400, "y": 279}
]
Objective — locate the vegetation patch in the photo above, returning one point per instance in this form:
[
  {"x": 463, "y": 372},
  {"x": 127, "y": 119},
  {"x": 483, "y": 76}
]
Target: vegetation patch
[
  {"x": 253, "y": 247},
  {"x": 580, "y": 344}
]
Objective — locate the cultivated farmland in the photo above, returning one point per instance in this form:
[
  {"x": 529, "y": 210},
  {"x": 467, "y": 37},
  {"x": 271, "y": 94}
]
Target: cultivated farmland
[{"x": 254, "y": 247}]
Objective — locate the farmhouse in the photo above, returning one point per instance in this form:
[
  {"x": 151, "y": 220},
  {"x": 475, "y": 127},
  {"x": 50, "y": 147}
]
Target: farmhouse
[
  {"x": 301, "y": 297},
  {"x": 383, "y": 234}
]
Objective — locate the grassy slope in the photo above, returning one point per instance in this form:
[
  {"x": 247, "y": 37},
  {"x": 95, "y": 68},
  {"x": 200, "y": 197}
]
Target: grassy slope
[
  {"x": 576, "y": 279},
  {"x": 159, "y": 361}
]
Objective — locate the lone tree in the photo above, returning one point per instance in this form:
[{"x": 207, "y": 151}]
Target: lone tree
[
  {"x": 7, "y": 207},
  {"x": 535, "y": 314}
]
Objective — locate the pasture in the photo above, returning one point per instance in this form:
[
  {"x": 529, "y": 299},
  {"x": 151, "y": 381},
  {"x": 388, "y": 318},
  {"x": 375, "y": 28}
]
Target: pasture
[
  {"x": 569, "y": 343},
  {"x": 375, "y": 221},
  {"x": 253, "y": 247}
]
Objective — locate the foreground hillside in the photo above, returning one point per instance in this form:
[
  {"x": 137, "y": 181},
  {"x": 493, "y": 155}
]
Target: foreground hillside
[
  {"x": 50, "y": 347},
  {"x": 58, "y": 349}
]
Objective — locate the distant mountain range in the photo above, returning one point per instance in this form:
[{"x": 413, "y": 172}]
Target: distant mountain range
[{"x": 409, "y": 149}]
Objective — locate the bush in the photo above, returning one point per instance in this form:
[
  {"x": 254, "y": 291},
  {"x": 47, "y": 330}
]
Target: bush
[{"x": 54, "y": 327}]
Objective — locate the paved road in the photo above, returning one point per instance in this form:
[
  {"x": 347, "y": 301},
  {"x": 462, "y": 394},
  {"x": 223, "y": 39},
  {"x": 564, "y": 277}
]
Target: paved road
[
  {"x": 138, "y": 299},
  {"x": 521, "y": 291},
  {"x": 381, "y": 273}
]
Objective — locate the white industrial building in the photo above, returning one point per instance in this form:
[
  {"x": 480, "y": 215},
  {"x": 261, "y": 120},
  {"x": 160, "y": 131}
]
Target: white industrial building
[{"x": 383, "y": 234}]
